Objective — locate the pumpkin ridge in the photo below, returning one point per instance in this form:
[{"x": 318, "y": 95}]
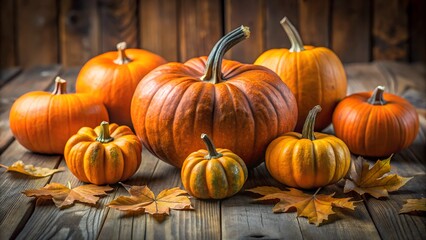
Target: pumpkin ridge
[
  {"x": 321, "y": 86},
  {"x": 231, "y": 96},
  {"x": 337, "y": 166}
]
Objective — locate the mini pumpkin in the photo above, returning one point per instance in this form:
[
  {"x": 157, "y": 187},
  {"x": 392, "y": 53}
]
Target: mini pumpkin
[
  {"x": 308, "y": 160},
  {"x": 376, "y": 123},
  {"x": 242, "y": 106},
  {"x": 314, "y": 75},
  {"x": 213, "y": 173},
  {"x": 112, "y": 78},
  {"x": 104, "y": 155},
  {"x": 42, "y": 122}
]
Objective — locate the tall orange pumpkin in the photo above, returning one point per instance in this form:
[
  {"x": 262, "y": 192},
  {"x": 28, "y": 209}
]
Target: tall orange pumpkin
[
  {"x": 314, "y": 75},
  {"x": 42, "y": 122},
  {"x": 376, "y": 124},
  {"x": 113, "y": 76},
  {"x": 241, "y": 106}
]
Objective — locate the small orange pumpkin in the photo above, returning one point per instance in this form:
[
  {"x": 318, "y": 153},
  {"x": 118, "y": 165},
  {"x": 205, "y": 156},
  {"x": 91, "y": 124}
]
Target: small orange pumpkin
[
  {"x": 104, "y": 155},
  {"x": 308, "y": 160},
  {"x": 376, "y": 124},
  {"x": 314, "y": 75},
  {"x": 112, "y": 78},
  {"x": 42, "y": 122},
  {"x": 213, "y": 173}
]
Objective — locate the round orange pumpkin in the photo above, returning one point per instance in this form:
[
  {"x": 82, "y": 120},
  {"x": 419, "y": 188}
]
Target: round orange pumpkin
[
  {"x": 42, "y": 122},
  {"x": 308, "y": 160},
  {"x": 376, "y": 124},
  {"x": 104, "y": 155},
  {"x": 213, "y": 173},
  {"x": 113, "y": 76},
  {"x": 314, "y": 75},
  {"x": 241, "y": 106}
]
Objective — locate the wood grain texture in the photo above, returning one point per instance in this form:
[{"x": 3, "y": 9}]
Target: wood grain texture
[
  {"x": 7, "y": 74},
  {"x": 78, "y": 31},
  {"x": 7, "y": 34},
  {"x": 37, "y": 32},
  {"x": 417, "y": 25},
  {"x": 350, "y": 37},
  {"x": 390, "y": 30},
  {"x": 275, "y": 10},
  {"x": 118, "y": 22},
  {"x": 200, "y": 27},
  {"x": 158, "y": 27},
  {"x": 314, "y": 23},
  {"x": 248, "y": 13}
]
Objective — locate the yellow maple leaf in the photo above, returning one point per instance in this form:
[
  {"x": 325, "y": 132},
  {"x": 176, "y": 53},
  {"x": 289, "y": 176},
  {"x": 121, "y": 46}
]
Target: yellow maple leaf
[
  {"x": 31, "y": 170},
  {"x": 316, "y": 207},
  {"x": 375, "y": 180},
  {"x": 414, "y": 205}
]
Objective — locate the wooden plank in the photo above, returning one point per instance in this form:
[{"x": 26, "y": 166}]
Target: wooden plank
[
  {"x": 118, "y": 22},
  {"x": 315, "y": 22},
  {"x": 364, "y": 77},
  {"x": 276, "y": 10},
  {"x": 417, "y": 25},
  {"x": 36, "y": 78},
  {"x": 248, "y": 13},
  {"x": 78, "y": 31},
  {"x": 350, "y": 36},
  {"x": 7, "y": 74},
  {"x": 158, "y": 23},
  {"x": 200, "y": 27},
  {"x": 7, "y": 34},
  {"x": 390, "y": 30},
  {"x": 37, "y": 32},
  {"x": 16, "y": 207}
]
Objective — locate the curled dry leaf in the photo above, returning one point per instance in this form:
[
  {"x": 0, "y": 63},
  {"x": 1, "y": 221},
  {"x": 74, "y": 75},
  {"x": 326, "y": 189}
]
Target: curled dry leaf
[
  {"x": 375, "y": 180},
  {"x": 64, "y": 196},
  {"x": 414, "y": 205},
  {"x": 143, "y": 199},
  {"x": 31, "y": 170},
  {"x": 316, "y": 207}
]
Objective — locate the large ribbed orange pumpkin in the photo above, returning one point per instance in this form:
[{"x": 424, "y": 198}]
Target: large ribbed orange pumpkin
[
  {"x": 376, "y": 124},
  {"x": 113, "y": 76},
  {"x": 242, "y": 107},
  {"x": 314, "y": 75},
  {"x": 43, "y": 122}
]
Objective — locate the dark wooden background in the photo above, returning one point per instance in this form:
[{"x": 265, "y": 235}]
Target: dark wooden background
[{"x": 69, "y": 32}]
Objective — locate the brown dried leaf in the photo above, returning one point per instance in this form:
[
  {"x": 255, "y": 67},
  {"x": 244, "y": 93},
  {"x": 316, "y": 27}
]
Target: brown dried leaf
[
  {"x": 30, "y": 170},
  {"x": 143, "y": 199},
  {"x": 375, "y": 180},
  {"x": 63, "y": 196},
  {"x": 414, "y": 205},
  {"x": 316, "y": 207}
]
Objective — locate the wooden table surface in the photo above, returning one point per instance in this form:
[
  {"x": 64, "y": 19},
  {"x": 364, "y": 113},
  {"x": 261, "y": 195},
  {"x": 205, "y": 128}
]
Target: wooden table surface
[{"x": 238, "y": 217}]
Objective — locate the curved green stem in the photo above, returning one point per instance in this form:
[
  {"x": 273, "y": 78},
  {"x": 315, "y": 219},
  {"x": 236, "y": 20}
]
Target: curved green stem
[
  {"x": 104, "y": 135},
  {"x": 60, "y": 86},
  {"x": 122, "y": 57},
  {"x": 293, "y": 35},
  {"x": 210, "y": 147},
  {"x": 308, "y": 127},
  {"x": 377, "y": 96},
  {"x": 213, "y": 72}
]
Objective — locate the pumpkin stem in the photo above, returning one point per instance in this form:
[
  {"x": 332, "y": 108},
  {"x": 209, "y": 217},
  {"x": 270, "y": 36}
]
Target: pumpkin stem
[
  {"x": 60, "y": 86},
  {"x": 210, "y": 147},
  {"x": 122, "y": 57},
  {"x": 377, "y": 96},
  {"x": 308, "y": 127},
  {"x": 213, "y": 73},
  {"x": 293, "y": 35},
  {"x": 104, "y": 135}
]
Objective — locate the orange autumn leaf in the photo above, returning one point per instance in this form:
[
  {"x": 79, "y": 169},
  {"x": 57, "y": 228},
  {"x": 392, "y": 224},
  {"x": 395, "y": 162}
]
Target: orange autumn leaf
[
  {"x": 375, "y": 180},
  {"x": 64, "y": 196},
  {"x": 143, "y": 199},
  {"x": 31, "y": 170},
  {"x": 316, "y": 207},
  {"x": 414, "y": 205}
]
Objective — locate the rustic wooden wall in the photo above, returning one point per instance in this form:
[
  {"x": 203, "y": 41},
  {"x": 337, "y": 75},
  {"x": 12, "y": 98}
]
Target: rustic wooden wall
[{"x": 69, "y": 32}]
